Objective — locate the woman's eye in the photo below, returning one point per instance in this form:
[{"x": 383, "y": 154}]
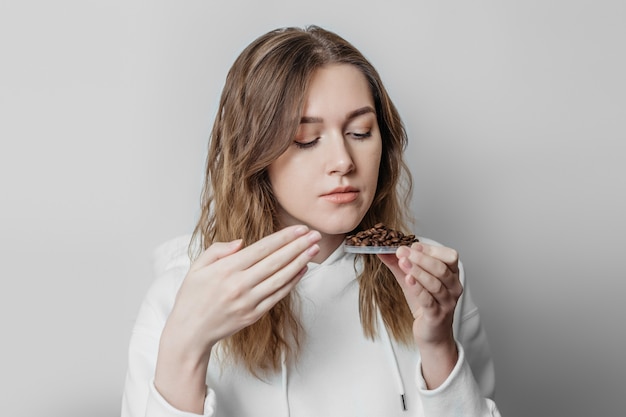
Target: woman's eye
[
  {"x": 306, "y": 145},
  {"x": 360, "y": 135}
]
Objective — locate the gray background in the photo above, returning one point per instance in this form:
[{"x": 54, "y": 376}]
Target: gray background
[{"x": 515, "y": 110}]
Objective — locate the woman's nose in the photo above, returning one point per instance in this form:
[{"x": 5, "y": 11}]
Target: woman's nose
[{"x": 339, "y": 157}]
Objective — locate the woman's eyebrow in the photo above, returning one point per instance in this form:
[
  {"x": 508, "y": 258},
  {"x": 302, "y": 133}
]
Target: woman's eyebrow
[
  {"x": 353, "y": 114},
  {"x": 306, "y": 119},
  {"x": 359, "y": 112}
]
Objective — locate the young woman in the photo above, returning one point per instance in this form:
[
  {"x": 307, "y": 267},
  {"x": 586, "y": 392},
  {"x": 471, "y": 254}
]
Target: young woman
[{"x": 271, "y": 317}]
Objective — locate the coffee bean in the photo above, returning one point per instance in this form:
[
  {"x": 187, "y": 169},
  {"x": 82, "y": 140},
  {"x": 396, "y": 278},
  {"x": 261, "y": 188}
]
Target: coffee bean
[{"x": 380, "y": 235}]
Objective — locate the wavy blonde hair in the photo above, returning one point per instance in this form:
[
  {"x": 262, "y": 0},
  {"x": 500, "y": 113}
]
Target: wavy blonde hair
[{"x": 258, "y": 116}]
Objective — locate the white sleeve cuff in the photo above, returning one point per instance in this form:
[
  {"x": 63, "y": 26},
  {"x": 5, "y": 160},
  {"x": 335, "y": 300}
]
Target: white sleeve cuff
[
  {"x": 458, "y": 395},
  {"x": 159, "y": 407}
]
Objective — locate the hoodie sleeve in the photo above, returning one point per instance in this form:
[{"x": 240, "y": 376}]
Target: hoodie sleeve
[
  {"x": 458, "y": 396},
  {"x": 471, "y": 335},
  {"x": 140, "y": 397},
  {"x": 470, "y": 388}
]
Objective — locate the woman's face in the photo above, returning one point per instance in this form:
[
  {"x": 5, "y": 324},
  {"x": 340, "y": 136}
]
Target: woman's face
[{"x": 327, "y": 177}]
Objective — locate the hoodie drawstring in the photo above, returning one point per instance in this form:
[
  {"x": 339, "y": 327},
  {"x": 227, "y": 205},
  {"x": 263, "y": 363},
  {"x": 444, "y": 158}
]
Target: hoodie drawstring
[
  {"x": 393, "y": 361},
  {"x": 283, "y": 368}
]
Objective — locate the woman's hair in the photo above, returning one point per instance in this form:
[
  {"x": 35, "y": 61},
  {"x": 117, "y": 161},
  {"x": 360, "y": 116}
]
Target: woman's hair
[{"x": 258, "y": 116}]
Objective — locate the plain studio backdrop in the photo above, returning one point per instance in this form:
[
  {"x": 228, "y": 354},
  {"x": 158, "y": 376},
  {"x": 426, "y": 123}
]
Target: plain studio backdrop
[{"x": 516, "y": 112}]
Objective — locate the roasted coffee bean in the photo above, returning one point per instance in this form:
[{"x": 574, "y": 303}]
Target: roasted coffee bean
[{"x": 380, "y": 235}]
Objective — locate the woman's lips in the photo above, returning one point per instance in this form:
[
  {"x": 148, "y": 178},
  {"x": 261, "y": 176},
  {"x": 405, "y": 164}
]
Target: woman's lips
[{"x": 342, "y": 197}]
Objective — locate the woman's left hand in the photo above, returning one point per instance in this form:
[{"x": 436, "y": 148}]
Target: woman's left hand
[{"x": 429, "y": 277}]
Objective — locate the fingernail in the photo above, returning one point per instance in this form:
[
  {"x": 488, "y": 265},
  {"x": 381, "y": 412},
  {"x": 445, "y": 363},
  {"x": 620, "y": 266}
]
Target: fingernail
[
  {"x": 313, "y": 250},
  {"x": 300, "y": 230},
  {"x": 402, "y": 251},
  {"x": 314, "y": 236}
]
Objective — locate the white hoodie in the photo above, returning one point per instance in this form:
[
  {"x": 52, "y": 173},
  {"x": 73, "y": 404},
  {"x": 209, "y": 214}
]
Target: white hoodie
[{"x": 339, "y": 371}]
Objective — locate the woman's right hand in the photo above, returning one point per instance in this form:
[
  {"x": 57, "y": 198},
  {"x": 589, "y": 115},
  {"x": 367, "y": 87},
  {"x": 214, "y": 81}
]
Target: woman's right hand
[{"x": 226, "y": 289}]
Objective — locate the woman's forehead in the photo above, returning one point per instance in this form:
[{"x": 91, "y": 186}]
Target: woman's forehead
[{"x": 337, "y": 90}]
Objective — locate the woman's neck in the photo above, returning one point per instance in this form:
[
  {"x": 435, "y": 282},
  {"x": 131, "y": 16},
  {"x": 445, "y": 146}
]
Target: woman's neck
[{"x": 328, "y": 244}]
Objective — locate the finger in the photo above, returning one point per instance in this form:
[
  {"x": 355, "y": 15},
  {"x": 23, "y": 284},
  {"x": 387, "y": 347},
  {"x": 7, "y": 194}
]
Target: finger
[
  {"x": 448, "y": 256},
  {"x": 422, "y": 263},
  {"x": 403, "y": 269},
  {"x": 269, "y": 245},
  {"x": 421, "y": 257},
  {"x": 432, "y": 284},
  {"x": 418, "y": 298},
  {"x": 216, "y": 251},
  {"x": 291, "y": 258},
  {"x": 425, "y": 300},
  {"x": 275, "y": 288}
]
